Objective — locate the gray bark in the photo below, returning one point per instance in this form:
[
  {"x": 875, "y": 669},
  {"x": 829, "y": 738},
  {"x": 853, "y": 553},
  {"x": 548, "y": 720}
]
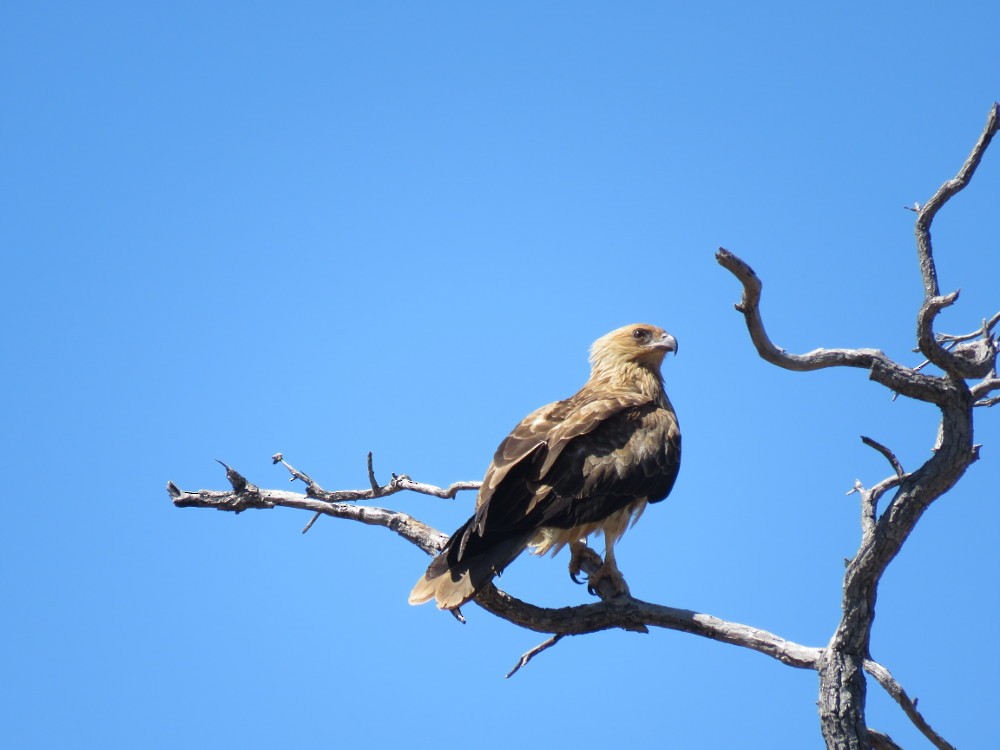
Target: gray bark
[{"x": 842, "y": 664}]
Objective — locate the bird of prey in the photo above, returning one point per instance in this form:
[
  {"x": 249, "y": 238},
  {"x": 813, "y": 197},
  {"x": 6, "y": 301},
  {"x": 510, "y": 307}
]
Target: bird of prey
[{"x": 589, "y": 463}]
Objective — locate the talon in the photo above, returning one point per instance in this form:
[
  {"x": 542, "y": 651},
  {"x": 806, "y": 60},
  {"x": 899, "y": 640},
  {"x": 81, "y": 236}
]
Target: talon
[
  {"x": 610, "y": 572},
  {"x": 576, "y": 562}
]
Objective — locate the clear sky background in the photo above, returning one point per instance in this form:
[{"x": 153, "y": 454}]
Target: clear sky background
[{"x": 231, "y": 229}]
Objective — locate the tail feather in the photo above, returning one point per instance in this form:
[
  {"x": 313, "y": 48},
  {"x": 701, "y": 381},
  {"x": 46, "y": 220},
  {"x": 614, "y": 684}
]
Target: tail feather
[{"x": 451, "y": 582}]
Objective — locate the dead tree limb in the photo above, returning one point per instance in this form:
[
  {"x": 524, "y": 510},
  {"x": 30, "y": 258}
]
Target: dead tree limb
[
  {"x": 842, "y": 682},
  {"x": 843, "y": 662},
  {"x": 624, "y": 613},
  {"x": 614, "y": 612},
  {"x": 893, "y": 688}
]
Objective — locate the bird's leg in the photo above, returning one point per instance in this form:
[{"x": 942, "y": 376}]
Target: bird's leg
[
  {"x": 606, "y": 569},
  {"x": 578, "y": 550},
  {"x": 609, "y": 571}
]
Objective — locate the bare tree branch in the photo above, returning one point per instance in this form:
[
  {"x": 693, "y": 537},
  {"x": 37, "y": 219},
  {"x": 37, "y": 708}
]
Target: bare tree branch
[
  {"x": 843, "y": 662},
  {"x": 398, "y": 483},
  {"x": 296, "y": 474},
  {"x": 870, "y": 498},
  {"x": 621, "y": 612},
  {"x": 893, "y": 688},
  {"x": 881, "y": 369},
  {"x": 967, "y": 361},
  {"x": 842, "y": 683},
  {"x": 749, "y": 305},
  {"x": 987, "y": 386},
  {"x": 430, "y": 540},
  {"x": 842, "y": 691},
  {"x": 529, "y": 655},
  {"x": 889, "y": 455},
  {"x": 929, "y": 344},
  {"x": 973, "y": 356},
  {"x": 882, "y": 487},
  {"x": 925, "y": 217},
  {"x": 278, "y": 458},
  {"x": 988, "y": 326},
  {"x": 626, "y": 613},
  {"x": 371, "y": 475}
]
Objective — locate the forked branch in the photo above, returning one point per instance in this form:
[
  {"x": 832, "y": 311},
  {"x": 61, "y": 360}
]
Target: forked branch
[
  {"x": 622, "y": 612},
  {"x": 842, "y": 702},
  {"x": 842, "y": 663}
]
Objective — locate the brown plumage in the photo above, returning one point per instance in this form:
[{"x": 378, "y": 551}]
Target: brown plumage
[{"x": 589, "y": 463}]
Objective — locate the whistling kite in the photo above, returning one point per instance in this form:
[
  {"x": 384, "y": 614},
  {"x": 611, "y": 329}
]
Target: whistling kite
[{"x": 589, "y": 463}]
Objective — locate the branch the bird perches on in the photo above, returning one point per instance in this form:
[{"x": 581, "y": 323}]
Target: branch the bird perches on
[{"x": 844, "y": 661}]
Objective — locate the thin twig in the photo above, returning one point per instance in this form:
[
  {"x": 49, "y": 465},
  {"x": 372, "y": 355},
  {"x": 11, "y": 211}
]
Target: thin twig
[
  {"x": 988, "y": 326},
  {"x": 315, "y": 489},
  {"x": 967, "y": 363},
  {"x": 949, "y": 342},
  {"x": 397, "y": 484},
  {"x": 296, "y": 474},
  {"x": 403, "y": 482},
  {"x": 869, "y": 501},
  {"x": 278, "y": 458},
  {"x": 371, "y": 476},
  {"x": 529, "y": 655},
  {"x": 238, "y": 482},
  {"x": 311, "y": 521},
  {"x": 894, "y": 689},
  {"x": 889, "y": 455},
  {"x": 622, "y": 612}
]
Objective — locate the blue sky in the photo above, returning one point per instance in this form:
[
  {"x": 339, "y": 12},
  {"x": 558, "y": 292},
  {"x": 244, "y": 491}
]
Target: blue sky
[{"x": 232, "y": 229}]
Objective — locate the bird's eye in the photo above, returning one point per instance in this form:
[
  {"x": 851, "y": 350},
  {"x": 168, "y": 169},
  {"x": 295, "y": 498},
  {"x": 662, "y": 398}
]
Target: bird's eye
[{"x": 641, "y": 335}]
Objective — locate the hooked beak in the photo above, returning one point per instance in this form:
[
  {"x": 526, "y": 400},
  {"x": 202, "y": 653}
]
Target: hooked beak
[{"x": 667, "y": 343}]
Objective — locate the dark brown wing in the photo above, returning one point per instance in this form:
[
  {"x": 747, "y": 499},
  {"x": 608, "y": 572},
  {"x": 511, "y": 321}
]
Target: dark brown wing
[
  {"x": 524, "y": 465},
  {"x": 632, "y": 455},
  {"x": 568, "y": 463}
]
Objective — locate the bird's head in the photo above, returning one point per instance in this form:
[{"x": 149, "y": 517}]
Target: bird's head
[{"x": 637, "y": 344}]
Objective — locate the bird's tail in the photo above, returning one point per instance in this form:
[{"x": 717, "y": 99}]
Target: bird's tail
[{"x": 466, "y": 564}]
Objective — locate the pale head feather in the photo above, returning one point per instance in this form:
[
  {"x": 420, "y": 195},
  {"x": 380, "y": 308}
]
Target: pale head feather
[{"x": 638, "y": 346}]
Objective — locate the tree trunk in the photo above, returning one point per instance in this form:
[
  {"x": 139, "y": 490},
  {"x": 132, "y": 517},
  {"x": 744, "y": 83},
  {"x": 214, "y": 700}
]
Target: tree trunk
[{"x": 842, "y": 701}]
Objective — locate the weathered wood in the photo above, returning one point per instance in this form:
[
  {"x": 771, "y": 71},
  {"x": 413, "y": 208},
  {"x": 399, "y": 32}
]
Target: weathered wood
[{"x": 842, "y": 664}]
